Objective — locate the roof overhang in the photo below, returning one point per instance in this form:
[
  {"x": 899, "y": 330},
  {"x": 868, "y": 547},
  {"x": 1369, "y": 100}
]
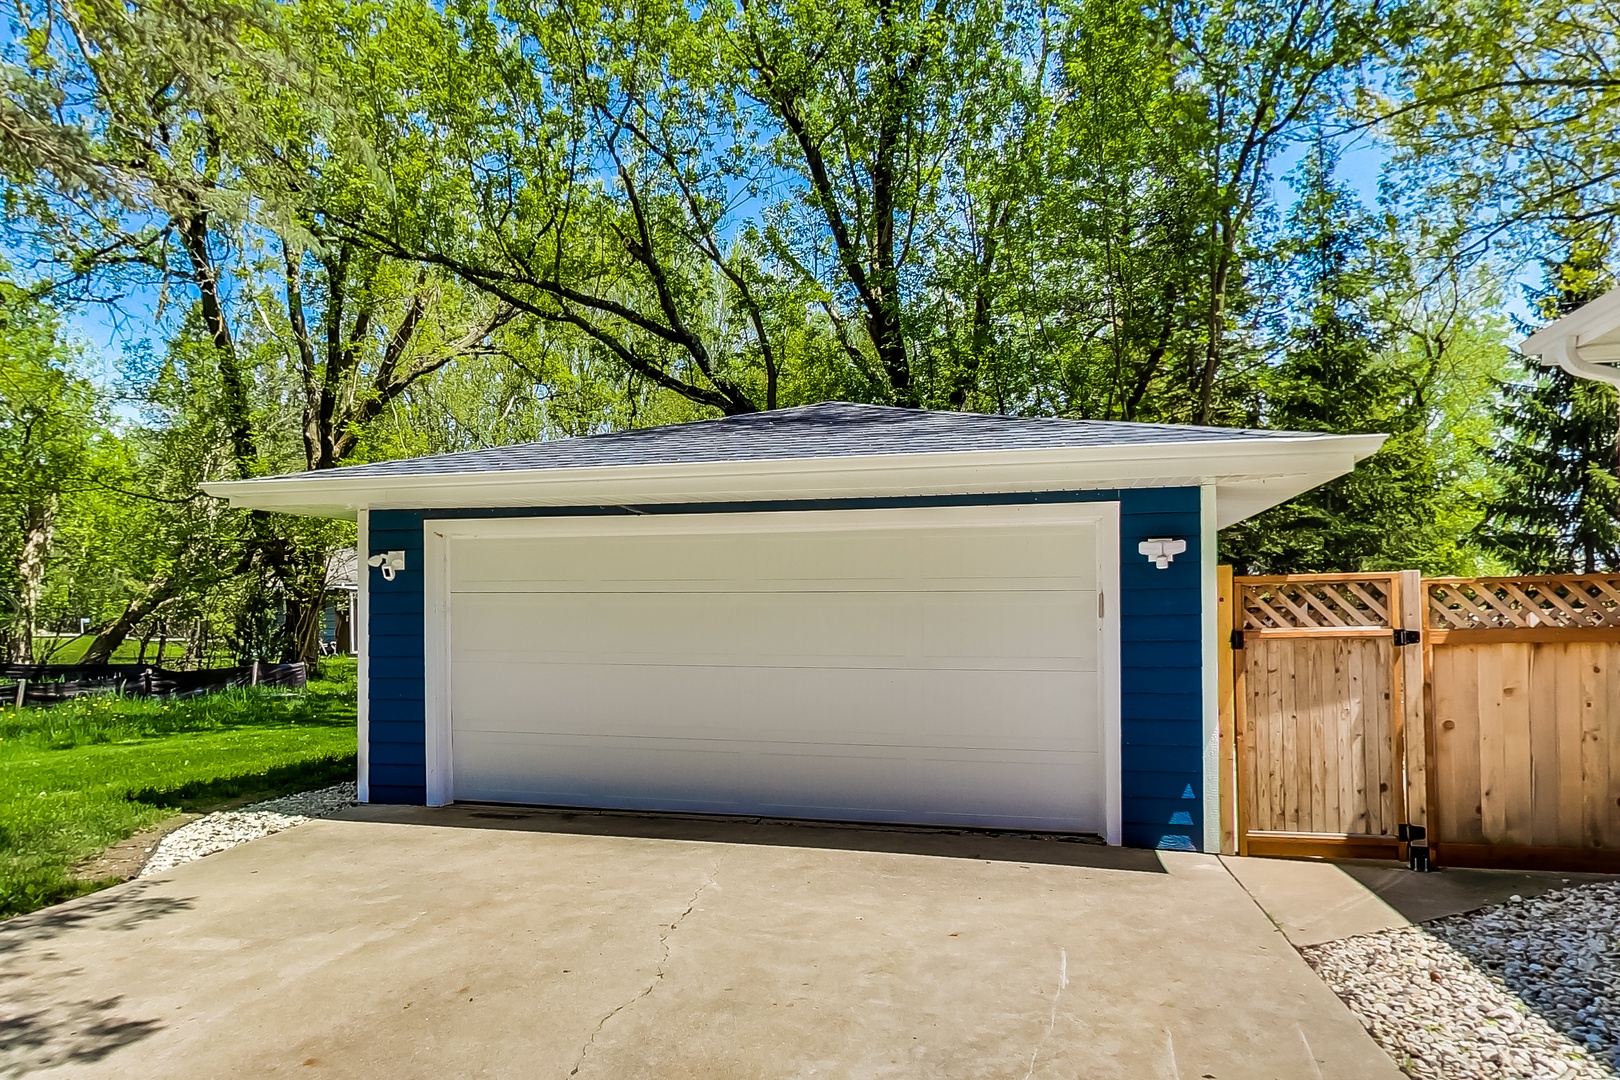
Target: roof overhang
[
  {"x": 1585, "y": 343},
  {"x": 1249, "y": 476}
]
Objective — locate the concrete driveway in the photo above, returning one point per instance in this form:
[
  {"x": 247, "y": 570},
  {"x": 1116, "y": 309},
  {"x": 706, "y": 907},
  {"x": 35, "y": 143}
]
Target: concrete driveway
[{"x": 485, "y": 942}]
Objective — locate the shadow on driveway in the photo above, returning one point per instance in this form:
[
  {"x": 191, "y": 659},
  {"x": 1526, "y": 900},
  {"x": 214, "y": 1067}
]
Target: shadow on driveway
[
  {"x": 1455, "y": 890},
  {"x": 42, "y": 1023},
  {"x": 985, "y": 845}
]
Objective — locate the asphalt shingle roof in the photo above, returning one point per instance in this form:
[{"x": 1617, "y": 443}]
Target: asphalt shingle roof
[{"x": 830, "y": 430}]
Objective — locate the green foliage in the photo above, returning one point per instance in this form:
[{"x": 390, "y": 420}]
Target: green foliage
[
  {"x": 383, "y": 228},
  {"x": 54, "y": 446},
  {"x": 1559, "y": 507},
  {"x": 1355, "y": 361},
  {"x": 77, "y": 777},
  {"x": 1502, "y": 115}
]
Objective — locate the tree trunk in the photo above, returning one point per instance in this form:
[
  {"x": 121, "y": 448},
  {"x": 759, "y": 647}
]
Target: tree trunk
[
  {"x": 135, "y": 612},
  {"x": 1217, "y": 327},
  {"x": 304, "y": 577},
  {"x": 39, "y": 522}
]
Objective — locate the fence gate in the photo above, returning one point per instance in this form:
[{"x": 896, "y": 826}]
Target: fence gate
[
  {"x": 1525, "y": 716},
  {"x": 1327, "y": 687}
]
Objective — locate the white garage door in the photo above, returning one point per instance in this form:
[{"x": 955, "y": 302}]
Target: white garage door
[{"x": 925, "y": 665}]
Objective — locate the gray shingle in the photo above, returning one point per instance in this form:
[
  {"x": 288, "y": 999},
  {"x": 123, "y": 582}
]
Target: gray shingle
[{"x": 829, "y": 430}]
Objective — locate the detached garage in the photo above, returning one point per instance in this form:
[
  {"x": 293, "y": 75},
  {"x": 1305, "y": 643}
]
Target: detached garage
[{"x": 838, "y": 612}]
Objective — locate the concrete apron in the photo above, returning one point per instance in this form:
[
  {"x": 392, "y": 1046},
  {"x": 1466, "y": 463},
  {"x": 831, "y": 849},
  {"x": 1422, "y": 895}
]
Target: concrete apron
[{"x": 434, "y": 943}]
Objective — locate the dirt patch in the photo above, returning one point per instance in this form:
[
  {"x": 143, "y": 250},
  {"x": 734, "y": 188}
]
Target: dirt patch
[{"x": 124, "y": 859}]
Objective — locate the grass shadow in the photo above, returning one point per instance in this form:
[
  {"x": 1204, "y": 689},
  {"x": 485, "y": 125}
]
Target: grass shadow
[{"x": 205, "y": 795}]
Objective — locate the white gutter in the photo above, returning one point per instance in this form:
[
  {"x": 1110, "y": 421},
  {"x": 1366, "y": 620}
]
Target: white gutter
[
  {"x": 1250, "y": 474},
  {"x": 1559, "y": 343},
  {"x": 1560, "y": 352}
]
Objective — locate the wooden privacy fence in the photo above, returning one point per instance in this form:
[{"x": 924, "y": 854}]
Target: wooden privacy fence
[
  {"x": 1524, "y": 680},
  {"x": 1324, "y": 690},
  {"x": 1484, "y": 710}
]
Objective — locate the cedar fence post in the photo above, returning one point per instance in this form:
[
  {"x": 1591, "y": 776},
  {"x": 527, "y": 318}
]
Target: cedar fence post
[
  {"x": 1414, "y": 715},
  {"x": 1226, "y": 760}
]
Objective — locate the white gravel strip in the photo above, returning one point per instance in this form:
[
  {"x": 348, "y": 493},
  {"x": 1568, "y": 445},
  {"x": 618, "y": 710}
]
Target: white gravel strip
[
  {"x": 226, "y": 829},
  {"x": 1522, "y": 991}
]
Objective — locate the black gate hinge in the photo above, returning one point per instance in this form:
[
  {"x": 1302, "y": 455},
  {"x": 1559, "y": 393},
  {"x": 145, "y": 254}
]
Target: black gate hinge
[
  {"x": 1408, "y": 637},
  {"x": 1416, "y": 839},
  {"x": 1237, "y": 639}
]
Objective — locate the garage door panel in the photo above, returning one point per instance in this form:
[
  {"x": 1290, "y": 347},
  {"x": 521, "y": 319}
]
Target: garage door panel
[
  {"x": 715, "y": 777},
  {"x": 987, "y": 559},
  {"x": 933, "y": 630},
  {"x": 939, "y": 675},
  {"x": 854, "y": 707},
  {"x": 555, "y": 770}
]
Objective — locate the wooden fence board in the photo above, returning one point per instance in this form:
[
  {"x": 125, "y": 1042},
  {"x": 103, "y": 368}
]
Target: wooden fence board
[
  {"x": 1269, "y": 745},
  {"x": 1517, "y": 765},
  {"x": 1567, "y": 701},
  {"x": 1542, "y": 707},
  {"x": 1488, "y": 711},
  {"x": 1288, "y": 727},
  {"x": 1605, "y": 790},
  {"x": 1313, "y": 744},
  {"x": 1357, "y": 742},
  {"x": 1457, "y": 751},
  {"x": 1351, "y": 819},
  {"x": 1594, "y": 774},
  {"x": 1388, "y": 764}
]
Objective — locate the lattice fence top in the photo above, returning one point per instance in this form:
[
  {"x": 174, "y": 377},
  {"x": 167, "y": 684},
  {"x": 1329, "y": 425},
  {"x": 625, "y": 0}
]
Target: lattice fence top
[
  {"x": 1567, "y": 600},
  {"x": 1334, "y": 603}
]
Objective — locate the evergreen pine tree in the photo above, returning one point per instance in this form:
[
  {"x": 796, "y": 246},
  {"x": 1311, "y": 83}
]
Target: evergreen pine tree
[
  {"x": 1559, "y": 506},
  {"x": 1331, "y": 377}
]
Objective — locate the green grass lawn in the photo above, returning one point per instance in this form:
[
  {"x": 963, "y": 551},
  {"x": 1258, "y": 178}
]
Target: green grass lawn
[
  {"x": 65, "y": 651},
  {"x": 80, "y": 776}
]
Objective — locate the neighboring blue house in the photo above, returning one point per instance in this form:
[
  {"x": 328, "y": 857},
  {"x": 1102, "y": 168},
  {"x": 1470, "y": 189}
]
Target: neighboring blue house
[{"x": 840, "y": 612}]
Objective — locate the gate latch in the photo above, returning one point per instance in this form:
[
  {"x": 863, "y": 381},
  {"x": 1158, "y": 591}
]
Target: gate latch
[
  {"x": 1237, "y": 639},
  {"x": 1408, "y": 637}
]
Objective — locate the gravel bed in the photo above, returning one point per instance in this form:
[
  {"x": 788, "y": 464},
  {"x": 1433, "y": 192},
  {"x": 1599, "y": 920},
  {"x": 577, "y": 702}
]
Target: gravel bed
[
  {"x": 1528, "y": 989},
  {"x": 226, "y": 829}
]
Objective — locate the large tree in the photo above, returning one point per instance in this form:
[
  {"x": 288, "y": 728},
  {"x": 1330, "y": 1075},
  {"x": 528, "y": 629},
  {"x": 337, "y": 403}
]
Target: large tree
[{"x": 51, "y": 421}]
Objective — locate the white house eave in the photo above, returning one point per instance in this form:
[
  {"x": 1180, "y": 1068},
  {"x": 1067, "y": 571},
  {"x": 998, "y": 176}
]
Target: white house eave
[
  {"x": 1249, "y": 475},
  {"x": 1585, "y": 343}
]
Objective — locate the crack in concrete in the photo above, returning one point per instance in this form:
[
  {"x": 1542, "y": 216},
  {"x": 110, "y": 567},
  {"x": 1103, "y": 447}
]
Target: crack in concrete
[
  {"x": 658, "y": 970},
  {"x": 1051, "y": 1022}
]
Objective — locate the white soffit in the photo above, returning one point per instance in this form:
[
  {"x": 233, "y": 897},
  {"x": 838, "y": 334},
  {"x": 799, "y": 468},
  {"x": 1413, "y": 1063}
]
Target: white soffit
[
  {"x": 1585, "y": 343},
  {"x": 1250, "y": 475}
]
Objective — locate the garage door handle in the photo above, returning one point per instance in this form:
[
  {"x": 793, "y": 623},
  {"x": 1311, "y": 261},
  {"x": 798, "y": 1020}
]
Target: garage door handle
[{"x": 1101, "y": 606}]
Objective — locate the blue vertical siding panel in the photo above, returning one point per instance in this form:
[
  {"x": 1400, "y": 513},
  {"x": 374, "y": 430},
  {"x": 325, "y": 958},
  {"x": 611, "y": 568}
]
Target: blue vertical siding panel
[
  {"x": 1161, "y": 653},
  {"x": 398, "y": 729},
  {"x": 1161, "y": 673}
]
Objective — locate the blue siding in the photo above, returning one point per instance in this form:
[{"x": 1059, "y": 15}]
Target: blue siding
[{"x": 1161, "y": 679}]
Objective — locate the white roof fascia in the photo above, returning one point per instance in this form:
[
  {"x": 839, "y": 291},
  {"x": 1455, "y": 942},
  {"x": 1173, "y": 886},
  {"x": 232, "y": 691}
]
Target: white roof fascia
[
  {"x": 1559, "y": 344},
  {"x": 1256, "y": 473}
]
